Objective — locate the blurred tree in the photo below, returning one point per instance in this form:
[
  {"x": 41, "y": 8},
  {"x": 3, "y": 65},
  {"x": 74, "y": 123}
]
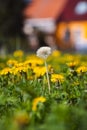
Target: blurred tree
[
  {"x": 11, "y": 24},
  {"x": 11, "y": 18}
]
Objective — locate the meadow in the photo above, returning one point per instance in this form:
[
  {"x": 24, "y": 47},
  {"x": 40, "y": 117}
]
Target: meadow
[{"x": 27, "y": 102}]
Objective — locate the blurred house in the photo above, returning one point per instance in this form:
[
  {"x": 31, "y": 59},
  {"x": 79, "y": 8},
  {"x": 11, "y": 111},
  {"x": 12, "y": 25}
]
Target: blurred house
[{"x": 62, "y": 23}]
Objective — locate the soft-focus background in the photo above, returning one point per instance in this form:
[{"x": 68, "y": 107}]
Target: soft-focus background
[{"x": 29, "y": 24}]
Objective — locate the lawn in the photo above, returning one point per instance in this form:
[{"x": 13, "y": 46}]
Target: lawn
[{"x": 39, "y": 93}]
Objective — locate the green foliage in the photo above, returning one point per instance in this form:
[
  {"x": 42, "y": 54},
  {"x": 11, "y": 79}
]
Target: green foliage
[{"x": 25, "y": 103}]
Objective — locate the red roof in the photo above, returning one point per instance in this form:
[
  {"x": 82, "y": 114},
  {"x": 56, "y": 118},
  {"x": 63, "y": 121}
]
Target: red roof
[
  {"x": 63, "y": 10},
  {"x": 74, "y": 10},
  {"x": 45, "y": 8}
]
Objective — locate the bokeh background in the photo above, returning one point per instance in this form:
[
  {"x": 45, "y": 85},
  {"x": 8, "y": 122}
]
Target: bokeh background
[{"x": 29, "y": 24}]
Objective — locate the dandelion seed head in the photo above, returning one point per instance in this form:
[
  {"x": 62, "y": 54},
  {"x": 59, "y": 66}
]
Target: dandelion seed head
[{"x": 44, "y": 52}]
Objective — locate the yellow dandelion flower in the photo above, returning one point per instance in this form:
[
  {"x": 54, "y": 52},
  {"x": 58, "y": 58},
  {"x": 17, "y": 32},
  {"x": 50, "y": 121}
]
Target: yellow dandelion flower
[
  {"x": 34, "y": 62},
  {"x": 5, "y": 71},
  {"x": 19, "y": 65},
  {"x": 57, "y": 77},
  {"x": 19, "y": 69},
  {"x": 72, "y": 64},
  {"x": 56, "y": 53},
  {"x": 18, "y": 53},
  {"x": 39, "y": 71},
  {"x": 81, "y": 69},
  {"x": 36, "y": 101},
  {"x": 11, "y": 62}
]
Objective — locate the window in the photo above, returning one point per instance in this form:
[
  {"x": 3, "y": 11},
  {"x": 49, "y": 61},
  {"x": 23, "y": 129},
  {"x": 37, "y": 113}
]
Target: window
[{"x": 81, "y": 8}]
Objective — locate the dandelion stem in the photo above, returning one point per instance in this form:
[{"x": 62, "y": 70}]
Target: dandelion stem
[{"x": 47, "y": 76}]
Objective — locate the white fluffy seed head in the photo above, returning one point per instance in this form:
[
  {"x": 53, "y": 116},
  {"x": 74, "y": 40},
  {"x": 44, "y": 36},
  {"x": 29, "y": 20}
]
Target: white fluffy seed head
[{"x": 44, "y": 52}]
